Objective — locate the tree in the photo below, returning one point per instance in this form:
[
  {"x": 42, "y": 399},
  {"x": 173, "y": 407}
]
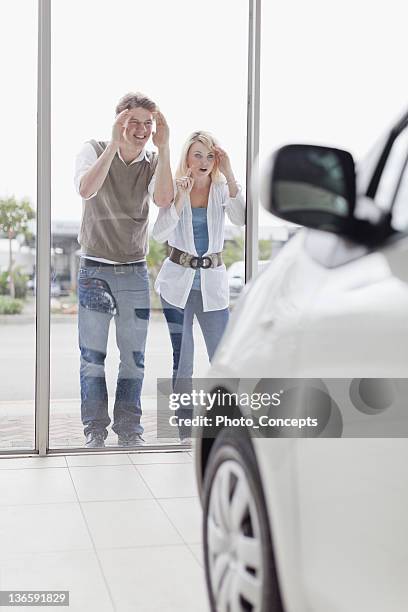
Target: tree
[
  {"x": 234, "y": 250},
  {"x": 14, "y": 218},
  {"x": 155, "y": 257}
]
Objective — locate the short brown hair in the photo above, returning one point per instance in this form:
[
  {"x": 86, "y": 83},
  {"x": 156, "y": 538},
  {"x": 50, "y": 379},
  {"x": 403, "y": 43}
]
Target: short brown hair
[{"x": 135, "y": 100}]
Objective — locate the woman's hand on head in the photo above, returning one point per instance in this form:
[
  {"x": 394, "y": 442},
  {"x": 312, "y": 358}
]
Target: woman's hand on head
[{"x": 224, "y": 163}]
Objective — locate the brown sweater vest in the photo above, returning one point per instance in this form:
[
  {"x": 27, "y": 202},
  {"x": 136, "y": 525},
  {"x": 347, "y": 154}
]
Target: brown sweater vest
[{"x": 115, "y": 222}]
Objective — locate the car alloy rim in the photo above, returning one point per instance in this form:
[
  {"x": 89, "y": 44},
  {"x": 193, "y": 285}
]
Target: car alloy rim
[{"x": 234, "y": 542}]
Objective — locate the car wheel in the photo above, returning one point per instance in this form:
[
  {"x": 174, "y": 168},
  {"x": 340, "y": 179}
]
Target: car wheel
[{"x": 239, "y": 561}]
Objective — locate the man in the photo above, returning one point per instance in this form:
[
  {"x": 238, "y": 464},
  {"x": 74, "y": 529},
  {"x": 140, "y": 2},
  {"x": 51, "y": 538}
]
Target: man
[{"x": 116, "y": 180}]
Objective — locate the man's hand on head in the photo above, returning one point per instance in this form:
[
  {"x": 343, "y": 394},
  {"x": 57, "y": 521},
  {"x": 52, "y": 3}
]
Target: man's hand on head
[
  {"x": 162, "y": 134},
  {"x": 120, "y": 125}
]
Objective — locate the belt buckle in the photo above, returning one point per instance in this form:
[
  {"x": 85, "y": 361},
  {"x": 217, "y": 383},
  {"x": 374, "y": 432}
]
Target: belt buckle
[
  {"x": 208, "y": 264},
  {"x": 195, "y": 262},
  {"x": 119, "y": 269},
  {"x": 200, "y": 262}
]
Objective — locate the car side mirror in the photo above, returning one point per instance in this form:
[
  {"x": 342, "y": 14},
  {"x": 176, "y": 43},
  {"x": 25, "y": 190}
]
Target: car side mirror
[
  {"x": 315, "y": 186},
  {"x": 311, "y": 185}
]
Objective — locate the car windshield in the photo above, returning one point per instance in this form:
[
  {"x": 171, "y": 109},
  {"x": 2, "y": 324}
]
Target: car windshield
[
  {"x": 391, "y": 174},
  {"x": 366, "y": 166},
  {"x": 392, "y": 190}
]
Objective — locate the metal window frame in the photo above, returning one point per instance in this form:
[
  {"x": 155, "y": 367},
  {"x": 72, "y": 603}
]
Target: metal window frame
[
  {"x": 253, "y": 117},
  {"x": 43, "y": 246},
  {"x": 43, "y": 257}
]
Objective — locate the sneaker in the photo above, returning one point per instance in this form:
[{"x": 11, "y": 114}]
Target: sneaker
[
  {"x": 133, "y": 439},
  {"x": 94, "y": 439},
  {"x": 186, "y": 442}
]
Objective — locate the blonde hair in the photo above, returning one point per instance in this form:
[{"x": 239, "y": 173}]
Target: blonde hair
[{"x": 208, "y": 141}]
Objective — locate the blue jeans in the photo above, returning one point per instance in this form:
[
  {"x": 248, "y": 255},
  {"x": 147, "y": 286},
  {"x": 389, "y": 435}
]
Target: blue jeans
[
  {"x": 122, "y": 293},
  {"x": 180, "y": 324}
]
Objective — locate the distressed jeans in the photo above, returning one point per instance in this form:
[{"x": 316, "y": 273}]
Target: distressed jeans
[
  {"x": 180, "y": 324},
  {"x": 105, "y": 292}
]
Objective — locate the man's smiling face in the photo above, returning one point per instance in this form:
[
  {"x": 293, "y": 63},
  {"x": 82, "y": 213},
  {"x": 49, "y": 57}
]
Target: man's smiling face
[{"x": 139, "y": 127}]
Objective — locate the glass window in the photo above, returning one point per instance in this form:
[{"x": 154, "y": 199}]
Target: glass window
[
  {"x": 195, "y": 69},
  {"x": 392, "y": 171},
  {"x": 18, "y": 107},
  {"x": 314, "y": 91}
]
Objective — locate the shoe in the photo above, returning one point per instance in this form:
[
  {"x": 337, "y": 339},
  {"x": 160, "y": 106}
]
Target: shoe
[
  {"x": 186, "y": 442},
  {"x": 133, "y": 439},
  {"x": 94, "y": 439}
]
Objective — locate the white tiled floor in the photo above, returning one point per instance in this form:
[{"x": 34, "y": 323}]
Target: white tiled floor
[{"x": 120, "y": 532}]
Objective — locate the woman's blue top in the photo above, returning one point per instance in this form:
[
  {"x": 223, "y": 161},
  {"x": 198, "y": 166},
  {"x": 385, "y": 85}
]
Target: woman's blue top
[{"x": 200, "y": 231}]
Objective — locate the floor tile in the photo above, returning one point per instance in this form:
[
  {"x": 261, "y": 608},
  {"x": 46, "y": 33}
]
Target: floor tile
[
  {"x": 42, "y": 528},
  {"x": 151, "y": 579},
  {"x": 94, "y": 459},
  {"x": 46, "y": 542},
  {"x": 124, "y": 524},
  {"x": 77, "y": 572},
  {"x": 109, "y": 482},
  {"x": 18, "y": 463},
  {"x": 186, "y": 516},
  {"x": 175, "y": 480},
  {"x": 28, "y": 486},
  {"x": 146, "y": 458}
]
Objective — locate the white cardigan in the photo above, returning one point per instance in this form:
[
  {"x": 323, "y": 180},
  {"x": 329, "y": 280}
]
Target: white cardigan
[{"x": 174, "y": 281}]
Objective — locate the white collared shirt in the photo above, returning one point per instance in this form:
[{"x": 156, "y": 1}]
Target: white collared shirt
[
  {"x": 174, "y": 281},
  {"x": 85, "y": 160}
]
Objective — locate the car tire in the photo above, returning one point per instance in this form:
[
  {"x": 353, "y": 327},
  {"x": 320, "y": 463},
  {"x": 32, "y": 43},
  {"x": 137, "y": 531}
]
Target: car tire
[{"x": 238, "y": 554}]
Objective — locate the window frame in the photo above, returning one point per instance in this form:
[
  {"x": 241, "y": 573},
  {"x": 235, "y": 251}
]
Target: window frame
[{"x": 375, "y": 180}]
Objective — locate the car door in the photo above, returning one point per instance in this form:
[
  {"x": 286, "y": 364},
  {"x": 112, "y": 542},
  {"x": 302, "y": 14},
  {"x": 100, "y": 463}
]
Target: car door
[{"x": 353, "y": 500}]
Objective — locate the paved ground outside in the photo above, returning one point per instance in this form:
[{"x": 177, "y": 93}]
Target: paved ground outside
[{"x": 17, "y": 389}]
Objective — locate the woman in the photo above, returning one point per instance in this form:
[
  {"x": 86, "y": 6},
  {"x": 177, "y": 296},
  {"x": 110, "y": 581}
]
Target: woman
[{"x": 193, "y": 279}]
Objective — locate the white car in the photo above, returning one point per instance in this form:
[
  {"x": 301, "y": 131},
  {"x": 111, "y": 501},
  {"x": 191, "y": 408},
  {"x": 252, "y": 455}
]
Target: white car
[
  {"x": 236, "y": 278},
  {"x": 317, "y": 521}
]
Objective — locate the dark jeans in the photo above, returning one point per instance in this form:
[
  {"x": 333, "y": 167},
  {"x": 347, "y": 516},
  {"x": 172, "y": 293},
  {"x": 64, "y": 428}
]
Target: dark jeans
[{"x": 105, "y": 292}]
